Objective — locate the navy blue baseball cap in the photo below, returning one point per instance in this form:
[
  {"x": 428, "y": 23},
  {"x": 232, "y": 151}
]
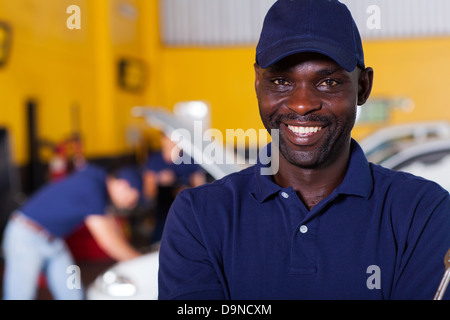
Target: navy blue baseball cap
[{"x": 322, "y": 26}]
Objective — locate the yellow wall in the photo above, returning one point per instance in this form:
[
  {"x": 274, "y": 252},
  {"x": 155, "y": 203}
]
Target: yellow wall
[
  {"x": 39, "y": 69},
  {"x": 222, "y": 76},
  {"x": 65, "y": 69},
  {"x": 416, "y": 69}
]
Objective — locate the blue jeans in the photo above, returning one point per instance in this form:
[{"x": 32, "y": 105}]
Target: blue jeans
[{"x": 27, "y": 253}]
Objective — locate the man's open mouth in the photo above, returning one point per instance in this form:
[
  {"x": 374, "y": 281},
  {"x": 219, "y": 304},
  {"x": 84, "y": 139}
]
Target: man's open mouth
[{"x": 302, "y": 130}]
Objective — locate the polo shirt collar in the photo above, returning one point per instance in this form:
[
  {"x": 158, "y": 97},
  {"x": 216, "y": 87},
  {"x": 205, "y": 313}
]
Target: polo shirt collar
[
  {"x": 357, "y": 181},
  {"x": 265, "y": 185}
]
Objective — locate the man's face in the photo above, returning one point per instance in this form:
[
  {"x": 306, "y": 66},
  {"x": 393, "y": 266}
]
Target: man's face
[
  {"x": 122, "y": 195},
  {"x": 312, "y": 101}
]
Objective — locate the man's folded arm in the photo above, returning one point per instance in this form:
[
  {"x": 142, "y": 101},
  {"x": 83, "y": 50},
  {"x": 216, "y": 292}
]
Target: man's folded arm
[{"x": 185, "y": 267}]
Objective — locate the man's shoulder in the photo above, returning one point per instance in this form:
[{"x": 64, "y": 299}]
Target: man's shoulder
[{"x": 404, "y": 182}]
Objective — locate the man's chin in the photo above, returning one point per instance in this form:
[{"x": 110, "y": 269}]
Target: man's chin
[{"x": 303, "y": 159}]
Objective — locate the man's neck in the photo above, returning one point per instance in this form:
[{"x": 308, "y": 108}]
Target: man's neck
[{"x": 312, "y": 185}]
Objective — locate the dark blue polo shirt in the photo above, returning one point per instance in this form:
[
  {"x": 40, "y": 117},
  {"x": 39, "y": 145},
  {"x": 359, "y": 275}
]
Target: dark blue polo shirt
[
  {"x": 381, "y": 234},
  {"x": 62, "y": 206}
]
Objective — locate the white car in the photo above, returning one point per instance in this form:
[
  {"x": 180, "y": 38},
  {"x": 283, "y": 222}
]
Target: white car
[
  {"x": 135, "y": 279},
  {"x": 422, "y": 149},
  {"x": 430, "y": 160}
]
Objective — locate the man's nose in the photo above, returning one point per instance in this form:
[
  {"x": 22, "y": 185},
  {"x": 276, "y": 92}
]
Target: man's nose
[{"x": 304, "y": 101}]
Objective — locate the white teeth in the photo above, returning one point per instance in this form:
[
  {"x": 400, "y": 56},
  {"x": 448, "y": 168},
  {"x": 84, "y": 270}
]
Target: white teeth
[{"x": 304, "y": 130}]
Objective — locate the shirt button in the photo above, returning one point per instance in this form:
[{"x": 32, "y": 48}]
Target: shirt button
[
  {"x": 284, "y": 195},
  {"x": 303, "y": 229}
]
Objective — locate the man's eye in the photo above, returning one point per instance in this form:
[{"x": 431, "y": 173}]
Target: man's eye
[
  {"x": 328, "y": 83},
  {"x": 280, "y": 82}
]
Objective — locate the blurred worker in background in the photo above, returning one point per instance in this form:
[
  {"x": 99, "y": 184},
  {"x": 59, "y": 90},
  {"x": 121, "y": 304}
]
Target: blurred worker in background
[
  {"x": 34, "y": 237},
  {"x": 163, "y": 180}
]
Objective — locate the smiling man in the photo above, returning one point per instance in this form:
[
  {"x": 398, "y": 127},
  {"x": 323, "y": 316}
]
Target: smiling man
[
  {"x": 328, "y": 224},
  {"x": 312, "y": 101}
]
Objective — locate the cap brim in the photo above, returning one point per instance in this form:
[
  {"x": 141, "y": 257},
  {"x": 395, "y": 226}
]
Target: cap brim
[{"x": 288, "y": 47}]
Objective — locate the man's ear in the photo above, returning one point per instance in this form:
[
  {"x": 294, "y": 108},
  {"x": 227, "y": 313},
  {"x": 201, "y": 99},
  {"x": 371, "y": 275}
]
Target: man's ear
[
  {"x": 365, "y": 83},
  {"x": 257, "y": 70}
]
